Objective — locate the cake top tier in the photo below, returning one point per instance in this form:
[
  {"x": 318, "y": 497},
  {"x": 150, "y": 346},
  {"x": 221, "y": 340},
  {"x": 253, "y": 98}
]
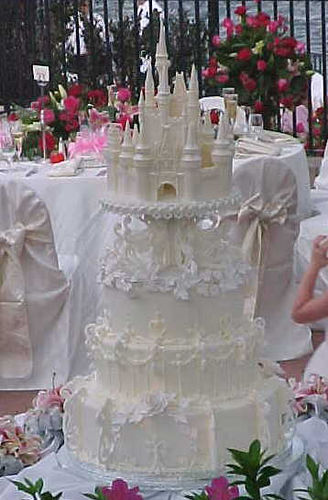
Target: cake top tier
[{"x": 172, "y": 156}]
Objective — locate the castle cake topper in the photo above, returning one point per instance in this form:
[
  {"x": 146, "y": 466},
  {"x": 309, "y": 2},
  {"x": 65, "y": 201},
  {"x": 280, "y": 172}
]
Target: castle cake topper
[{"x": 174, "y": 155}]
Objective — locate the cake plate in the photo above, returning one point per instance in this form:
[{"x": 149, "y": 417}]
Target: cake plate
[{"x": 288, "y": 461}]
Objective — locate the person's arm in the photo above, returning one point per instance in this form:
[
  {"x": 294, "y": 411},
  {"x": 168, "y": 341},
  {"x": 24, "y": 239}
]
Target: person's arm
[{"x": 307, "y": 308}]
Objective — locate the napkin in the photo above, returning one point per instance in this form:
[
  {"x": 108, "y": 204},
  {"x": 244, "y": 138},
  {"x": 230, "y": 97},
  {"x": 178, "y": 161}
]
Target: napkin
[
  {"x": 64, "y": 169},
  {"x": 278, "y": 137},
  {"x": 247, "y": 146}
]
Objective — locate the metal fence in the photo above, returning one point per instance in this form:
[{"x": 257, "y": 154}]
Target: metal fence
[{"x": 38, "y": 31}]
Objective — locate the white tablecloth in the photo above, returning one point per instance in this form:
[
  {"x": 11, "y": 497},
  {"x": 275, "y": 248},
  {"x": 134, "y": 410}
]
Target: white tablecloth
[{"x": 294, "y": 157}]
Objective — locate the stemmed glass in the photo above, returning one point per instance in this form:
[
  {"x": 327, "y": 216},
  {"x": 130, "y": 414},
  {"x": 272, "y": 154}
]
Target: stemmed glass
[
  {"x": 7, "y": 145},
  {"x": 18, "y": 135},
  {"x": 256, "y": 125},
  {"x": 231, "y": 101}
]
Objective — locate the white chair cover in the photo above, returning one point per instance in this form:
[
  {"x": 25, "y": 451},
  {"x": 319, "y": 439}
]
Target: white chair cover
[
  {"x": 33, "y": 292},
  {"x": 267, "y": 229},
  {"x": 211, "y": 102}
]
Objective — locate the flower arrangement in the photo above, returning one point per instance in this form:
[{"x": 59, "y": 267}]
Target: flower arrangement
[
  {"x": 17, "y": 448},
  {"x": 265, "y": 65},
  {"x": 314, "y": 391},
  {"x": 65, "y": 110}
]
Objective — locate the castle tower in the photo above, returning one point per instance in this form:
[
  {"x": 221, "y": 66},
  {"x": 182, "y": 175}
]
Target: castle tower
[
  {"x": 193, "y": 97},
  {"x": 142, "y": 159},
  {"x": 222, "y": 156},
  {"x": 162, "y": 66},
  {"x": 206, "y": 140},
  {"x": 125, "y": 161},
  {"x": 191, "y": 163}
]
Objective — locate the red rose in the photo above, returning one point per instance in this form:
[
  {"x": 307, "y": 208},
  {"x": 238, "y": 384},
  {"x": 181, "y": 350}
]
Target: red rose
[
  {"x": 48, "y": 116},
  {"x": 252, "y": 22},
  {"x": 240, "y": 10},
  {"x": 214, "y": 116},
  {"x": 71, "y": 125},
  {"x": 258, "y": 107},
  {"x": 238, "y": 29},
  {"x": 50, "y": 142},
  {"x": 75, "y": 90},
  {"x": 285, "y": 47},
  {"x": 244, "y": 54},
  {"x": 250, "y": 85},
  {"x": 261, "y": 65},
  {"x": 273, "y": 26},
  {"x": 287, "y": 101},
  {"x": 213, "y": 61},
  {"x": 263, "y": 19},
  {"x": 13, "y": 117},
  {"x": 211, "y": 71},
  {"x": 71, "y": 104},
  {"x": 98, "y": 98}
]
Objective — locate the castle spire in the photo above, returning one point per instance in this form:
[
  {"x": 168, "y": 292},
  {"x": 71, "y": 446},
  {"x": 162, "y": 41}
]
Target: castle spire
[
  {"x": 162, "y": 66},
  {"x": 149, "y": 88},
  {"x": 193, "y": 96}
]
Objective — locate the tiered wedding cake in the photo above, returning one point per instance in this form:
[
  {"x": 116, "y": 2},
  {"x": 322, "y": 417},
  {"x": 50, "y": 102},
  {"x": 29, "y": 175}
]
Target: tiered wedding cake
[{"x": 176, "y": 378}]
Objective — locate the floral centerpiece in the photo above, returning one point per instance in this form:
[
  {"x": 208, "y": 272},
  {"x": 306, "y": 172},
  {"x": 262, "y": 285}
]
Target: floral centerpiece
[
  {"x": 64, "y": 111},
  {"x": 310, "y": 395},
  {"x": 265, "y": 65}
]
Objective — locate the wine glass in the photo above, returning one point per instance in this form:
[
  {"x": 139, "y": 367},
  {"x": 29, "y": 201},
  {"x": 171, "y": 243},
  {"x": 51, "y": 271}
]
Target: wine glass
[
  {"x": 256, "y": 125},
  {"x": 16, "y": 128},
  {"x": 7, "y": 146},
  {"x": 231, "y": 101}
]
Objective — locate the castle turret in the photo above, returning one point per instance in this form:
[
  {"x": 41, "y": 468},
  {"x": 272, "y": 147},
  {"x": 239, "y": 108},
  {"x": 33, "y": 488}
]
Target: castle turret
[
  {"x": 206, "y": 140},
  {"x": 191, "y": 163},
  {"x": 162, "y": 66},
  {"x": 125, "y": 161},
  {"x": 142, "y": 159},
  {"x": 193, "y": 97},
  {"x": 222, "y": 155}
]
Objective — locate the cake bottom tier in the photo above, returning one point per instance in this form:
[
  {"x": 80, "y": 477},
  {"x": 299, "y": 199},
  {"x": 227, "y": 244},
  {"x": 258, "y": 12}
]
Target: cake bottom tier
[{"x": 160, "y": 436}]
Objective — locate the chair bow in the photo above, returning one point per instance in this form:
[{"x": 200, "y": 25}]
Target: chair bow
[
  {"x": 260, "y": 216},
  {"x": 15, "y": 344}
]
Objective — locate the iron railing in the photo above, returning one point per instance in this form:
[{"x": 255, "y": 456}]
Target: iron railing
[{"x": 36, "y": 31}]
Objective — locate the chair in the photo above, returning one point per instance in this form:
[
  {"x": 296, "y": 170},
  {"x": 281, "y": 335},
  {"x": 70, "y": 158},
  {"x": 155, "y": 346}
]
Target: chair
[
  {"x": 34, "y": 294},
  {"x": 212, "y": 102},
  {"x": 267, "y": 229}
]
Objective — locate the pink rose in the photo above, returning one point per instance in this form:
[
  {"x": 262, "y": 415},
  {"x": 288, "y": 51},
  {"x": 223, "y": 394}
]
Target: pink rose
[
  {"x": 48, "y": 116},
  {"x": 300, "y": 48},
  {"x": 283, "y": 85},
  {"x": 300, "y": 129},
  {"x": 205, "y": 73},
  {"x": 261, "y": 65},
  {"x": 71, "y": 104},
  {"x": 216, "y": 40},
  {"x": 273, "y": 26},
  {"x": 49, "y": 399},
  {"x": 258, "y": 107},
  {"x": 124, "y": 94},
  {"x": 221, "y": 490},
  {"x": 240, "y": 10},
  {"x": 224, "y": 78},
  {"x": 120, "y": 491}
]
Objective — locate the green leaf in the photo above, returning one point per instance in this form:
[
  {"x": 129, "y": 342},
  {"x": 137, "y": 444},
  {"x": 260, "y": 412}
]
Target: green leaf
[
  {"x": 236, "y": 469},
  {"x": 273, "y": 495},
  {"x": 263, "y": 481},
  {"x": 251, "y": 488},
  {"x": 22, "y": 487},
  {"x": 266, "y": 459},
  {"x": 241, "y": 457},
  {"x": 312, "y": 467},
  {"x": 39, "y": 485},
  {"x": 255, "y": 451},
  {"x": 269, "y": 471}
]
